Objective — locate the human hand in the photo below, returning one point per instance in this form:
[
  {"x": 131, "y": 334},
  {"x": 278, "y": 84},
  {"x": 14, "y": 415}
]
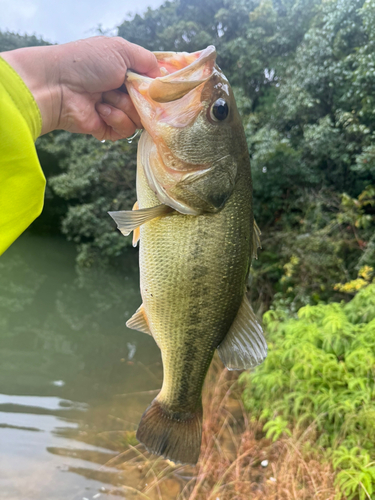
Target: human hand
[{"x": 76, "y": 84}]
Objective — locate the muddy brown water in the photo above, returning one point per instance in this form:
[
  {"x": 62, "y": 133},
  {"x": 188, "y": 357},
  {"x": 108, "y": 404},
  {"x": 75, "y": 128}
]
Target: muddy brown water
[{"x": 74, "y": 380}]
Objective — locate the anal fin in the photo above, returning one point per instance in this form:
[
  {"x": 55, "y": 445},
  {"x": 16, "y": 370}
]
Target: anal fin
[
  {"x": 244, "y": 345},
  {"x": 139, "y": 321},
  {"x": 128, "y": 220}
]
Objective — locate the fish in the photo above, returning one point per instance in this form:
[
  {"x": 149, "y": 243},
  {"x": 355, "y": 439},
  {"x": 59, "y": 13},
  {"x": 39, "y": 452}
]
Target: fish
[{"x": 194, "y": 220}]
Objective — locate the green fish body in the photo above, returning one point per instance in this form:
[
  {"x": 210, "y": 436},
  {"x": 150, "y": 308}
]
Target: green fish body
[{"x": 193, "y": 272}]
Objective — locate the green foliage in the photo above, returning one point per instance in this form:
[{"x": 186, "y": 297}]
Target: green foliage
[
  {"x": 356, "y": 478},
  {"x": 304, "y": 254},
  {"x": 276, "y": 428},
  {"x": 320, "y": 372},
  {"x": 96, "y": 178},
  {"x": 11, "y": 41},
  {"x": 364, "y": 278}
]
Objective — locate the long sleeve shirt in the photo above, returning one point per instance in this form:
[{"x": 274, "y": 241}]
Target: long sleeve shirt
[{"x": 22, "y": 182}]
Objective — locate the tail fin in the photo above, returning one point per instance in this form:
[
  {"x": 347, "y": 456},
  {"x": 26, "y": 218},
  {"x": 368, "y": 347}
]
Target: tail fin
[{"x": 173, "y": 435}]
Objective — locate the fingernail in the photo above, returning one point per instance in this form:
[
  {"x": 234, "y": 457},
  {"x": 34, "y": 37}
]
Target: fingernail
[{"x": 104, "y": 110}]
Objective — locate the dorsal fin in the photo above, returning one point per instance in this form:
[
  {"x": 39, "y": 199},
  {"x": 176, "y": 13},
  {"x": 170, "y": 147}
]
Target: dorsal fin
[{"x": 244, "y": 345}]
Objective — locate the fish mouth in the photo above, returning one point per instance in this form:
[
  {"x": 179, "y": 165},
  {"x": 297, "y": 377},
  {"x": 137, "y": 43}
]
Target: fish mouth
[{"x": 181, "y": 73}]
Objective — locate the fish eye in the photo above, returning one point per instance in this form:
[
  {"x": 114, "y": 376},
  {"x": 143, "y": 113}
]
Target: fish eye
[{"x": 219, "y": 110}]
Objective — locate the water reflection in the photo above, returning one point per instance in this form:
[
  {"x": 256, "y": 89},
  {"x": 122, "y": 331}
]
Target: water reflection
[{"x": 73, "y": 379}]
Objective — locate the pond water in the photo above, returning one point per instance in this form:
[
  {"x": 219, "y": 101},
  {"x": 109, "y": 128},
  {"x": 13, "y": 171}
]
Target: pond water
[{"x": 74, "y": 380}]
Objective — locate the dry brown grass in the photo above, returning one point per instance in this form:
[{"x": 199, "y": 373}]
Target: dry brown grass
[{"x": 230, "y": 467}]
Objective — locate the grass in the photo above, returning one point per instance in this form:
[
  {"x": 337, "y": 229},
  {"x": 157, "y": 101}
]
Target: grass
[{"x": 230, "y": 466}]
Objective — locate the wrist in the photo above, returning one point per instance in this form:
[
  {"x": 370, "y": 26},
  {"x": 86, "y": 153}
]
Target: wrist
[{"x": 38, "y": 67}]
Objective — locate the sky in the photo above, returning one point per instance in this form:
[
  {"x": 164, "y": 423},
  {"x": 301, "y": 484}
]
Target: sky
[{"x": 60, "y": 21}]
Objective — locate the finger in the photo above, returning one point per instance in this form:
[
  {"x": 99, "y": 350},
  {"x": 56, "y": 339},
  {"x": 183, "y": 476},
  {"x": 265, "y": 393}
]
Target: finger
[
  {"x": 139, "y": 59},
  {"x": 122, "y": 101},
  {"x": 107, "y": 133},
  {"x": 116, "y": 119}
]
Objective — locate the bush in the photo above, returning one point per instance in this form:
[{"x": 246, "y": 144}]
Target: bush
[{"x": 320, "y": 372}]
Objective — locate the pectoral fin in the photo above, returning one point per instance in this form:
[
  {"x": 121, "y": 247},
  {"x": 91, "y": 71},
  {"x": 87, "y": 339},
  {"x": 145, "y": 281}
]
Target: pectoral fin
[
  {"x": 127, "y": 221},
  {"x": 139, "y": 321},
  {"x": 244, "y": 345},
  {"x": 256, "y": 239}
]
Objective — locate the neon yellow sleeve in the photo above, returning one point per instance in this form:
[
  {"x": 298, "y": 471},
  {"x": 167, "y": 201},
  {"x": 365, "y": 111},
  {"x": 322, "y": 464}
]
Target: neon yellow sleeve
[{"x": 22, "y": 182}]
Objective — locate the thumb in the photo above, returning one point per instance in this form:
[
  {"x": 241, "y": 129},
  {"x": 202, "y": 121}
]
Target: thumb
[{"x": 139, "y": 59}]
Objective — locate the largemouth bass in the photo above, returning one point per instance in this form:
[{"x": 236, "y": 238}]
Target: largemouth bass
[{"x": 197, "y": 235}]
